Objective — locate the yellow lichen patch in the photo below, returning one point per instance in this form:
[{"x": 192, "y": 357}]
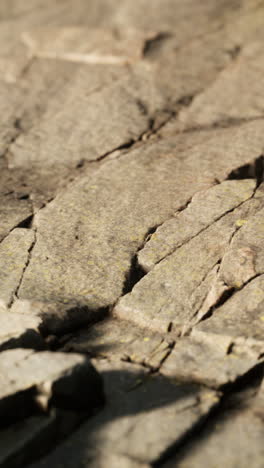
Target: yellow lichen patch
[
  {"x": 146, "y": 338},
  {"x": 262, "y": 318},
  {"x": 241, "y": 222}
]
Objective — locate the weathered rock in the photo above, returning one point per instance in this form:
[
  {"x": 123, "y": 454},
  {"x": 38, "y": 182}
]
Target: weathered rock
[
  {"x": 14, "y": 255},
  {"x": 231, "y": 97},
  {"x": 106, "y": 120},
  {"x": 233, "y": 441},
  {"x": 126, "y": 425},
  {"x": 241, "y": 316},
  {"x": 179, "y": 288},
  {"x": 87, "y": 237},
  {"x": 205, "y": 208},
  {"x": 213, "y": 360},
  {"x": 43, "y": 378},
  {"x": 115, "y": 339}
]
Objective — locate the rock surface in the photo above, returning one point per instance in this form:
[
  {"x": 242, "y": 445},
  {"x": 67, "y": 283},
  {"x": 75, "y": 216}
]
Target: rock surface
[{"x": 131, "y": 233}]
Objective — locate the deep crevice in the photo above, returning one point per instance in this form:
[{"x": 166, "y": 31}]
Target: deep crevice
[
  {"x": 254, "y": 170},
  {"x": 16, "y": 292},
  {"x": 26, "y": 223},
  {"x": 133, "y": 276},
  {"x": 153, "y": 45}
]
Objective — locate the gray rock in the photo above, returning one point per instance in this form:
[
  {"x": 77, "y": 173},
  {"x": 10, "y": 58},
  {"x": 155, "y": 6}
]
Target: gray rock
[
  {"x": 241, "y": 316},
  {"x": 125, "y": 428},
  {"x": 44, "y": 379},
  {"x": 106, "y": 120},
  {"x": 19, "y": 331},
  {"x": 231, "y": 97},
  {"x": 115, "y": 339},
  {"x": 205, "y": 208},
  {"x": 87, "y": 237},
  {"x": 228, "y": 359},
  {"x": 185, "y": 284},
  {"x": 14, "y": 255},
  {"x": 233, "y": 441}
]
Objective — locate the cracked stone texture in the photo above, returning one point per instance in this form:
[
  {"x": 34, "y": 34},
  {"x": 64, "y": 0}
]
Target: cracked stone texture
[
  {"x": 42, "y": 379},
  {"x": 116, "y": 339},
  {"x": 229, "y": 359},
  {"x": 126, "y": 426},
  {"x": 14, "y": 253},
  {"x": 131, "y": 194},
  {"x": 233, "y": 441},
  {"x": 102, "y": 222},
  {"x": 179, "y": 288},
  {"x": 204, "y": 209}
]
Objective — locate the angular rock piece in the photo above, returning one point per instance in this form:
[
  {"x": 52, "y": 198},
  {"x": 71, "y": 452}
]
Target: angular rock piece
[
  {"x": 155, "y": 414},
  {"x": 212, "y": 359},
  {"x": 115, "y": 339},
  {"x": 45, "y": 378},
  {"x": 14, "y": 254},
  {"x": 173, "y": 292},
  {"x": 205, "y": 208},
  {"x": 88, "y": 236}
]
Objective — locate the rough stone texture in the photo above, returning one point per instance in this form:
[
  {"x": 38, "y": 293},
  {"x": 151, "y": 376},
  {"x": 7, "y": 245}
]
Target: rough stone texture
[
  {"x": 231, "y": 96},
  {"x": 41, "y": 378},
  {"x": 109, "y": 215},
  {"x": 14, "y": 255},
  {"x": 179, "y": 288},
  {"x": 54, "y": 318},
  {"x": 126, "y": 426},
  {"x": 19, "y": 331},
  {"x": 115, "y": 339},
  {"x": 212, "y": 360},
  {"x": 131, "y": 194},
  {"x": 234, "y": 441},
  {"x": 241, "y": 315},
  {"x": 205, "y": 208}
]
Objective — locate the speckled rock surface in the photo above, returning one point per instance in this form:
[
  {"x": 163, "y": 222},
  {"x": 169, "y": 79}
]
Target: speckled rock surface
[{"x": 131, "y": 233}]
